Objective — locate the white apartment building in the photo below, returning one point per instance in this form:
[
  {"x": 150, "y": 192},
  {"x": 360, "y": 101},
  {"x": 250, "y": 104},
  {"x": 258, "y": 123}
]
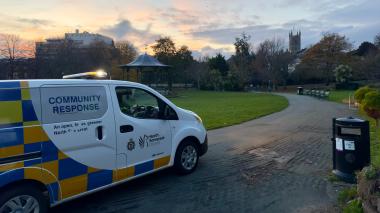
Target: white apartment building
[{"x": 85, "y": 38}]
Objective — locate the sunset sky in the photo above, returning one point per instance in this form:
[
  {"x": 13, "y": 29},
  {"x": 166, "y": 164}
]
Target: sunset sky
[{"x": 206, "y": 26}]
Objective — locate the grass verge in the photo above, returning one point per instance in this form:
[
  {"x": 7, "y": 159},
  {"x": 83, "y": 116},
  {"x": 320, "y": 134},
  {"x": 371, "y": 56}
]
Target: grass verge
[
  {"x": 349, "y": 202},
  {"x": 340, "y": 96},
  {"x": 375, "y": 145},
  {"x": 220, "y": 109}
]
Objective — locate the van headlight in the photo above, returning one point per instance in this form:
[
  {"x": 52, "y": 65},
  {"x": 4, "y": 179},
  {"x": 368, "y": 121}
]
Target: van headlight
[{"x": 199, "y": 119}]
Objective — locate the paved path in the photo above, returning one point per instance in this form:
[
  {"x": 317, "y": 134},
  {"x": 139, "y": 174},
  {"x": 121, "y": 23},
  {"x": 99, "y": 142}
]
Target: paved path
[{"x": 278, "y": 163}]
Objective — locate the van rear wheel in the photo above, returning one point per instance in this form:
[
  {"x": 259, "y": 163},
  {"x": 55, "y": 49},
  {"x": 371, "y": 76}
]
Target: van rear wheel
[
  {"x": 186, "y": 158},
  {"x": 23, "y": 199}
]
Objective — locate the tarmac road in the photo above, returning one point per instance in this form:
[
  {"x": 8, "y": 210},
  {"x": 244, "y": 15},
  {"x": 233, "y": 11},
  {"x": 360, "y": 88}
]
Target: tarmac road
[{"x": 278, "y": 163}]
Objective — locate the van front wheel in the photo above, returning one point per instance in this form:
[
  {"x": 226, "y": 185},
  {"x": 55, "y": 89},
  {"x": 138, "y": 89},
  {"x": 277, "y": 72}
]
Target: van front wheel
[
  {"x": 186, "y": 158},
  {"x": 23, "y": 199}
]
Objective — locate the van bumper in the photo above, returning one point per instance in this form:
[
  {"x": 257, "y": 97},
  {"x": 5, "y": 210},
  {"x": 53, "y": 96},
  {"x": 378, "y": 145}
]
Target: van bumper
[{"x": 204, "y": 147}]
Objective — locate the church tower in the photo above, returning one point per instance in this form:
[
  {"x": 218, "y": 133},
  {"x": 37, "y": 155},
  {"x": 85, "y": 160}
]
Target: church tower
[{"x": 294, "y": 41}]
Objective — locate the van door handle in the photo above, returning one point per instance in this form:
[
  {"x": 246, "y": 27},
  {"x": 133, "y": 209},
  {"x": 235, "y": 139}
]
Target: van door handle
[
  {"x": 99, "y": 132},
  {"x": 126, "y": 128}
]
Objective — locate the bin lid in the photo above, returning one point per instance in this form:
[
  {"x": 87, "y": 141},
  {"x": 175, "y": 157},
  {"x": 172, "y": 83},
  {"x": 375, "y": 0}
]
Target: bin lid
[{"x": 350, "y": 120}]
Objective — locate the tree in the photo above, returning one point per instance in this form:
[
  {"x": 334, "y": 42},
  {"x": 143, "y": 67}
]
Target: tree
[
  {"x": 219, "y": 63},
  {"x": 67, "y": 60},
  {"x": 272, "y": 62},
  {"x": 212, "y": 80},
  {"x": 100, "y": 55},
  {"x": 13, "y": 48},
  {"x": 377, "y": 40},
  {"x": 242, "y": 45},
  {"x": 200, "y": 69},
  {"x": 183, "y": 62},
  {"x": 184, "y": 55},
  {"x": 241, "y": 62},
  {"x": 366, "y": 48},
  {"x": 127, "y": 52},
  {"x": 343, "y": 73},
  {"x": 322, "y": 58},
  {"x": 164, "y": 49},
  {"x": 180, "y": 60}
]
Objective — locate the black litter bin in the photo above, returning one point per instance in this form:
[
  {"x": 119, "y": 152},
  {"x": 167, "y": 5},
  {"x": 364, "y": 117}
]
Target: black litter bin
[
  {"x": 351, "y": 147},
  {"x": 300, "y": 90}
]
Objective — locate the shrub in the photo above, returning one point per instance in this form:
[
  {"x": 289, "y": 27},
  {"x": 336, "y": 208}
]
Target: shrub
[
  {"x": 370, "y": 172},
  {"x": 361, "y": 92},
  {"x": 347, "y": 194},
  {"x": 371, "y": 105},
  {"x": 343, "y": 73},
  {"x": 354, "y": 206}
]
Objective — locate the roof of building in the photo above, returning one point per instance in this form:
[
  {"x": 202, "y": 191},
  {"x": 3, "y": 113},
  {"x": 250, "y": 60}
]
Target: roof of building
[{"x": 145, "y": 60}]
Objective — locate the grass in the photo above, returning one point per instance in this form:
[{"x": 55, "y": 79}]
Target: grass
[
  {"x": 347, "y": 194},
  {"x": 375, "y": 145},
  {"x": 220, "y": 109},
  {"x": 354, "y": 206},
  {"x": 340, "y": 96},
  {"x": 347, "y": 199}
]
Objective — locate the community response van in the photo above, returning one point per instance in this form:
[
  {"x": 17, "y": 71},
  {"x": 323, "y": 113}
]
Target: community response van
[{"x": 61, "y": 139}]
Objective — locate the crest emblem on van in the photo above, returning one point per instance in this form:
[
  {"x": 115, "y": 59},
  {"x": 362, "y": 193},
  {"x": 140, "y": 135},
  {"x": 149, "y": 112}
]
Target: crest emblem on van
[{"x": 131, "y": 145}]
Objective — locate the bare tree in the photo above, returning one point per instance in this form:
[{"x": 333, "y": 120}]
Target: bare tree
[
  {"x": 13, "y": 48},
  {"x": 127, "y": 51},
  {"x": 377, "y": 40},
  {"x": 272, "y": 61}
]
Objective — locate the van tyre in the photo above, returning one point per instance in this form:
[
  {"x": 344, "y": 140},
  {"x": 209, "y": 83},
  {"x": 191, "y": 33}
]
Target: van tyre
[
  {"x": 186, "y": 157},
  {"x": 23, "y": 199}
]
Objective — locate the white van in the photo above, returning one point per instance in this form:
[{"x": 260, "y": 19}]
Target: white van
[{"x": 61, "y": 139}]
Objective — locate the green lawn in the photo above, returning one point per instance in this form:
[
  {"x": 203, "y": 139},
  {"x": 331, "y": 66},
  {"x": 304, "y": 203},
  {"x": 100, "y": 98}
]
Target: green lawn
[
  {"x": 340, "y": 96},
  {"x": 219, "y": 109},
  {"x": 375, "y": 146}
]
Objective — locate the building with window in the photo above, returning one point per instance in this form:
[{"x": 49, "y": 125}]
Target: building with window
[{"x": 77, "y": 40}]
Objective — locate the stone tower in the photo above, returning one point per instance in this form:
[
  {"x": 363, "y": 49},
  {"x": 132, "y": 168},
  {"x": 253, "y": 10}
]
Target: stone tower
[{"x": 294, "y": 41}]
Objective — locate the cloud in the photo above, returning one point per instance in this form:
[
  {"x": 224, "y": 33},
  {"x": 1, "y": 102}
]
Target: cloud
[
  {"x": 190, "y": 19},
  {"x": 312, "y": 31},
  {"x": 180, "y": 17},
  {"x": 17, "y": 21},
  {"x": 34, "y": 21},
  {"x": 321, "y": 5},
  {"x": 27, "y": 28},
  {"x": 209, "y": 51},
  {"x": 123, "y": 30}
]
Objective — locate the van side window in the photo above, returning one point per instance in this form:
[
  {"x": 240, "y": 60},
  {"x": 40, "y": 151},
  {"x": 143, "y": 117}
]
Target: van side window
[{"x": 138, "y": 103}]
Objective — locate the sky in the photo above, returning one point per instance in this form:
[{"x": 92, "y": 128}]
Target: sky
[{"x": 207, "y": 27}]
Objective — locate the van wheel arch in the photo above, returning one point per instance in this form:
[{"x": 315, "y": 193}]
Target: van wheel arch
[
  {"x": 191, "y": 138},
  {"x": 26, "y": 182},
  {"x": 186, "y": 144},
  {"x": 36, "y": 187}
]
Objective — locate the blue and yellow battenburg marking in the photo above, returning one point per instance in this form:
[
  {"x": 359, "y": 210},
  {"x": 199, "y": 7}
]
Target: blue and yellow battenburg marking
[{"x": 21, "y": 133}]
